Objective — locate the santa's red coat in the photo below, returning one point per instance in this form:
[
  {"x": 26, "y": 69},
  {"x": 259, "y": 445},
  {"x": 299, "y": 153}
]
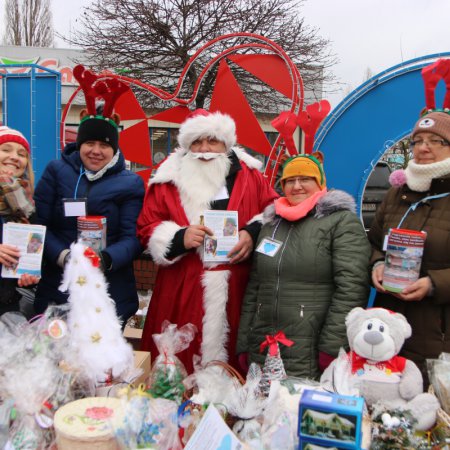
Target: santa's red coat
[{"x": 179, "y": 292}]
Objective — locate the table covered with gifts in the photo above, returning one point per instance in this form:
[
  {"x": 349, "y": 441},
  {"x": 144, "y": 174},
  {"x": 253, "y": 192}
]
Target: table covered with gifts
[{"x": 69, "y": 380}]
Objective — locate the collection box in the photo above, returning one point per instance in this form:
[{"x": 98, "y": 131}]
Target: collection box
[
  {"x": 92, "y": 231},
  {"x": 329, "y": 421}
]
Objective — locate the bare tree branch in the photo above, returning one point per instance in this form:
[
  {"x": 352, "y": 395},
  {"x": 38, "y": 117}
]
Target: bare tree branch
[
  {"x": 152, "y": 40},
  {"x": 29, "y": 23}
]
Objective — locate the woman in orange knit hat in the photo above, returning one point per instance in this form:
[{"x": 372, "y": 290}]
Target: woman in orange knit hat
[{"x": 309, "y": 271}]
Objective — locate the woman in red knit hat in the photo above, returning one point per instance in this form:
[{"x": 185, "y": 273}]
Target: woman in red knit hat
[{"x": 16, "y": 205}]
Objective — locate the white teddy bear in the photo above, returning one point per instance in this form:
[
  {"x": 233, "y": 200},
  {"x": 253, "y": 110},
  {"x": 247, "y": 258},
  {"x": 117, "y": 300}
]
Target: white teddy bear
[{"x": 375, "y": 336}]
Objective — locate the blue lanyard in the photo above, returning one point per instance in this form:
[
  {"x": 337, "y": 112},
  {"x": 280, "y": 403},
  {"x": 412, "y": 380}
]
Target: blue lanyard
[
  {"x": 415, "y": 205},
  {"x": 82, "y": 172}
]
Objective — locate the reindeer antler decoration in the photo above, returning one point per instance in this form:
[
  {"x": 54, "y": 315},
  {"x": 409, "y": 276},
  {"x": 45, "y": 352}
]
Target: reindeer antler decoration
[
  {"x": 87, "y": 79},
  {"x": 94, "y": 86},
  {"x": 110, "y": 90},
  {"x": 310, "y": 119},
  {"x": 431, "y": 75},
  {"x": 286, "y": 124}
]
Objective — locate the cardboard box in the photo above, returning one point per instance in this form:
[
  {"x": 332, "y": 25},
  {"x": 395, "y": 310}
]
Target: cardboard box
[
  {"x": 142, "y": 360},
  {"x": 132, "y": 333},
  {"x": 330, "y": 420},
  {"x": 133, "y": 336}
]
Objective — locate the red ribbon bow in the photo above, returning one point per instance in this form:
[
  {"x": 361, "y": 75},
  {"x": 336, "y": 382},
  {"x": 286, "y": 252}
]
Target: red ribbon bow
[
  {"x": 272, "y": 342},
  {"x": 90, "y": 254}
]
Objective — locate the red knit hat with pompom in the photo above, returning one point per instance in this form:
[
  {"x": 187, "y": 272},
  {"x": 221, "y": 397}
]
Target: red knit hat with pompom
[{"x": 10, "y": 135}]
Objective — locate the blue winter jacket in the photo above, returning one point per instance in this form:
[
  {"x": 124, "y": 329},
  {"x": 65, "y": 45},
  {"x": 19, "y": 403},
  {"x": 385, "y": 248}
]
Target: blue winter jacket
[{"x": 118, "y": 196}]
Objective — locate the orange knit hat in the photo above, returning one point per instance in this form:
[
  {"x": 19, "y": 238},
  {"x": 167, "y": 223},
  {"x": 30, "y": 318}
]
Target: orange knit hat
[{"x": 307, "y": 166}]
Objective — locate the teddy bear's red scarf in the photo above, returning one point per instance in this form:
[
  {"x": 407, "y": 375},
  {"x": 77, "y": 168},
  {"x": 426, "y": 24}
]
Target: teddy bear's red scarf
[{"x": 396, "y": 364}]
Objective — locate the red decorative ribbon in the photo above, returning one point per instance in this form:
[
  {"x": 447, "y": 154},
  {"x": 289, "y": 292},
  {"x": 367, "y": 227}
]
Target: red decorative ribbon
[
  {"x": 90, "y": 254},
  {"x": 272, "y": 342}
]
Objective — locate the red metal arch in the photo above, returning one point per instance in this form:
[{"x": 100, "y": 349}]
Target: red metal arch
[{"x": 252, "y": 62}]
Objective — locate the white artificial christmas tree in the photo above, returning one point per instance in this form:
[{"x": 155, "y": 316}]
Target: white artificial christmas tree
[{"x": 98, "y": 348}]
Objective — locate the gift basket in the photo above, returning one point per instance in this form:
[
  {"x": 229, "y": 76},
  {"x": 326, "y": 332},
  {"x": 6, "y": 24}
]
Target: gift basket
[{"x": 207, "y": 385}]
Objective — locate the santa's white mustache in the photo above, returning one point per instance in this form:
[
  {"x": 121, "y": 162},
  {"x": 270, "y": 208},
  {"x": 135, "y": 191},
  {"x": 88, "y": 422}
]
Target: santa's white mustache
[{"x": 206, "y": 156}]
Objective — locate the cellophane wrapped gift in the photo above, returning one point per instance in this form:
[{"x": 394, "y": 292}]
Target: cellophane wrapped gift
[
  {"x": 279, "y": 430},
  {"x": 168, "y": 372},
  {"x": 149, "y": 423},
  {"x": 32, "y": 378},
  {"x": 439, "y": 373}
]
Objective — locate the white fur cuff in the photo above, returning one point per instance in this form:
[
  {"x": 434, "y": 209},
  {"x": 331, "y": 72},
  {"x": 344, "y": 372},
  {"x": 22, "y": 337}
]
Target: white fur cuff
[{"x": 160, "y": 242}]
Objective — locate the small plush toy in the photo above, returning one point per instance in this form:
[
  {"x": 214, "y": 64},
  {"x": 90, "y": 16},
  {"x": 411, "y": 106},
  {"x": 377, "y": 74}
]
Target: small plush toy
[{"x": 375, "y": 336}]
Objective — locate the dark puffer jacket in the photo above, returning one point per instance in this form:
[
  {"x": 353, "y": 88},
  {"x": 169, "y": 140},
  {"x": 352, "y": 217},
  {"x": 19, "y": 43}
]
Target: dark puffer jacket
[
  {"x": 306, "y": 290},
  {"x": 118, "y": 196},
  {"x": 430, "y": 317}
]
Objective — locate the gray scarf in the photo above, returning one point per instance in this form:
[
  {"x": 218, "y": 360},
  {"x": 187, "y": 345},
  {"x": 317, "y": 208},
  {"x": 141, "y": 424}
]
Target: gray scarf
[{"x": 92, "y": 176}]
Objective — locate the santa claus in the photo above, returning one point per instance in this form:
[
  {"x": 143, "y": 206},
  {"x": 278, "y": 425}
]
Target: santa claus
[{"x": 207, "y": 172}]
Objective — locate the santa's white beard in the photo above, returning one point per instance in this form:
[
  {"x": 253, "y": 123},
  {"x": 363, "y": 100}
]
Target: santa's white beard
[{"x": 199, "y": 181}]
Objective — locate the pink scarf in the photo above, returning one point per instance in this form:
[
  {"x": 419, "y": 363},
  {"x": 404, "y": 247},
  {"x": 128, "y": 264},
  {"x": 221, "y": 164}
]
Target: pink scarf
[{"x": 292, "y": 213}]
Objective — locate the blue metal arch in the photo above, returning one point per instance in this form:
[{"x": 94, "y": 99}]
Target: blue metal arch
[
  {"x": 31, "y": 103},
  {"x": 371, "y": 119}
]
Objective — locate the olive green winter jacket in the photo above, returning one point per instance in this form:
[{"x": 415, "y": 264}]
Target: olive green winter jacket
[{"x": 317, "y": 276}]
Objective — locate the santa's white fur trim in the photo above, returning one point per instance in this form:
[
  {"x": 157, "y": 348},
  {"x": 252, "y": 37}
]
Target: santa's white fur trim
[
  {"x": 250, "y": 161},
  {"x": 215, "y": 322},
  {"x": 160, "y": 242},
  {"x": 256, "y": 218},
  {"x": 169, "y": 169},
  {"x": 216, "y": 125}
]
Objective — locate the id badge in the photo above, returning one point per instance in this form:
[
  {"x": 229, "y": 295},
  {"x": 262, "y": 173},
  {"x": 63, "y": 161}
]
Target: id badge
[
  {"x": 269, "y": 247},
  {"x": 74, "y": 207}
]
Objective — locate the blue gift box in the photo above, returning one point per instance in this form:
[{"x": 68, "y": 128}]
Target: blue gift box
[{"x": 329, "y": 421}]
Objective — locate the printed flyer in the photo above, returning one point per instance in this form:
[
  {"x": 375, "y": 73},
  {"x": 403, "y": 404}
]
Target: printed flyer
[
  {"x": 30, "y": 241},
  {"x": 224, "y": 225}
]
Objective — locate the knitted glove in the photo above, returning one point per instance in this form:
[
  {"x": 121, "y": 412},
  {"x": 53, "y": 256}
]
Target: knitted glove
[
  {"x": 243, "y": 361},
  {"x": 325, "y": 360}
]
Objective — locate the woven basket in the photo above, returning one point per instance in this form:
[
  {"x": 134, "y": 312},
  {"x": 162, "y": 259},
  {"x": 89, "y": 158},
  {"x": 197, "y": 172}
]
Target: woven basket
[
  {"x": 228, "y": 370},
  {"x": 443, "y": 419}
]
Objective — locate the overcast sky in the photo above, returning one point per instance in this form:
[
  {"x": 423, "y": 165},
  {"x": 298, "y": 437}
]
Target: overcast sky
[{"x": 374, "y": 34}]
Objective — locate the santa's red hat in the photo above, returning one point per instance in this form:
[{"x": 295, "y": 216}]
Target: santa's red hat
[{"x": 204, "y": 124}]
